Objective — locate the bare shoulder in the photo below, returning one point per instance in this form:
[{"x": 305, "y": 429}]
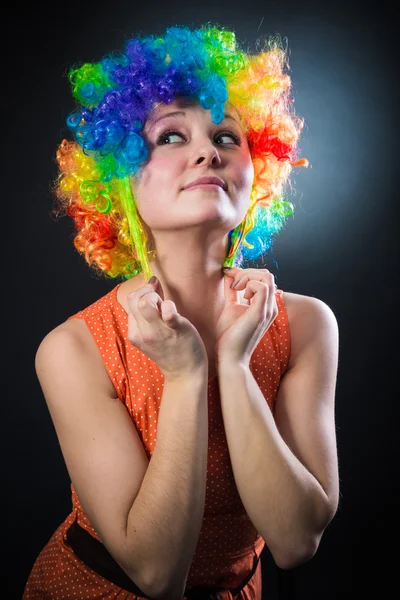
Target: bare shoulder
[
  {"x": 298, "y": 303},
  {"x": 306, "y": 314},
  {"x": 76, "y": 327},
  {"x": 77, "y": 330}
]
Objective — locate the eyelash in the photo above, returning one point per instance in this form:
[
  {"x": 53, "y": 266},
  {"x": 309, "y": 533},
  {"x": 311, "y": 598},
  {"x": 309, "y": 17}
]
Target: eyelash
[{"x": 220, "y": 133}]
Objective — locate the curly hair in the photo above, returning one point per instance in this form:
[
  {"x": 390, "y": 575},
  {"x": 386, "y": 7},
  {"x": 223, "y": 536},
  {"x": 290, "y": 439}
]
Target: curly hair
[{"x": 117, "y": 95}]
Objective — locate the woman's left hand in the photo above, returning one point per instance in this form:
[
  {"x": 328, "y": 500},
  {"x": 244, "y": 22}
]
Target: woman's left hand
[{"x": 240, "y": 327}]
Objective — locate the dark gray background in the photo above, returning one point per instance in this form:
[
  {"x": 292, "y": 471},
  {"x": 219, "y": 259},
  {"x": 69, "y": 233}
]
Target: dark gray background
[{"x": 341, "y": 246}]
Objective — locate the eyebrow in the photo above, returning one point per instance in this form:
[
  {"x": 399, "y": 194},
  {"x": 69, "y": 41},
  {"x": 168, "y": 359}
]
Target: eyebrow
[{"x": 181, "y": 113}]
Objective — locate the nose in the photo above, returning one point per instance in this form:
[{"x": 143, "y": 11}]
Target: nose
[{"x": 206, "y": 152}]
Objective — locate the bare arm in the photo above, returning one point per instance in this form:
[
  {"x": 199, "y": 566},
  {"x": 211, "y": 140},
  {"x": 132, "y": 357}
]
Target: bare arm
[
  {"x": 148, "y": 514},
  {"x": 286, "y": 464},
  {"x": 165, "y": 520}
]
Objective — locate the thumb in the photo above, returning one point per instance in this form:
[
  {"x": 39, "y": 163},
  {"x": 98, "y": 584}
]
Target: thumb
[
  {"x": 230, "y": 295},
  {"x": 169, "y": 313},
  {"x": 156, "y": 283}
]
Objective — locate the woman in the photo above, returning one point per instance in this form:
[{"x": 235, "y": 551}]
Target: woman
[{"x": 196, "y": 415}]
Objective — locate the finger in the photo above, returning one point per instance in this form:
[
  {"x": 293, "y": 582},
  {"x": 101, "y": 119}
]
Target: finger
[
  {"x": 263, "y": 276},
  {"x": 231, "y": 269},
  {"x": 232, "y": 272},
  {"x": 264, "y": 297},
  {"x": 149, "y": 307},
  {"x": 134, "y": 296},
  {"x": 258, "y": 293},
  {"x": 241, "y": 276},
  {"x": 143, "y": 303},
  {"x": 169, "y": 313},
  {"x": 258, "y": 275},
  {"x": 238, "y": 284},
  {"x": 231, "y": 296},
  {"x": 158, "y": 288}
]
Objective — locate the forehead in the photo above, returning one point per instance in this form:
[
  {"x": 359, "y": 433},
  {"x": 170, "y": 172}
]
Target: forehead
[
  {"x": 179, "y": 102},
  {"x": 185, "y": 104}
]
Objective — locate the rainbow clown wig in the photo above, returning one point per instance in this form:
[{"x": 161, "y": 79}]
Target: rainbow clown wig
[{"x": 117, "y": 95}]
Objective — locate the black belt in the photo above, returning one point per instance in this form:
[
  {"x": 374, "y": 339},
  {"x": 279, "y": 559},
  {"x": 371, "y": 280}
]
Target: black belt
[{"x": 96, "y": 556}]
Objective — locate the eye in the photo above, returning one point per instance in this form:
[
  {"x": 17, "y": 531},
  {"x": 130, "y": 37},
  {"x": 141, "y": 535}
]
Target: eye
[
  {"x": 231, "y": 135},
  {"x": 164, "y": 136},
  {"x": 167, "y": 134}
]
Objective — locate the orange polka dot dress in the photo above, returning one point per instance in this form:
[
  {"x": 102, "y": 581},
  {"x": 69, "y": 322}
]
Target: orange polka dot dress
[{"x": 228, "y": 541}]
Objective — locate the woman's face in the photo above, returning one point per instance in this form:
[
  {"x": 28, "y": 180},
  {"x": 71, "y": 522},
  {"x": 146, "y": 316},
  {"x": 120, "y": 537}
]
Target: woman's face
[{"x": 183, "y": 148}]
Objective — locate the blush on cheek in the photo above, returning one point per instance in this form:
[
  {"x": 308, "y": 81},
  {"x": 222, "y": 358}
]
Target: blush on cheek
[
  {"x": 162, "y": 175},
  {"x": 163, "y": 167},
  {"x": 248, "y": 175},
  {"x": 245, "y": 181}
]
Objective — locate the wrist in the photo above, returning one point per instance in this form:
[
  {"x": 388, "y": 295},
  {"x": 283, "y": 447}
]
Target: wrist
[
  {"x": 229, "y": 364},
  {"x": 198, "y": 374}
]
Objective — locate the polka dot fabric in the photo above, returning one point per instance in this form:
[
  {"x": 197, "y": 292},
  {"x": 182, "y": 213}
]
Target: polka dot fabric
[{"x": 228, "y": 541}]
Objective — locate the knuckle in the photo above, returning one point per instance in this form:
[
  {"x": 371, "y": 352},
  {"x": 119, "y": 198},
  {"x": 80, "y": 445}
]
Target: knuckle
[
  {"x": 133, "y": 296},
  {"x": 143, "y": 302}
]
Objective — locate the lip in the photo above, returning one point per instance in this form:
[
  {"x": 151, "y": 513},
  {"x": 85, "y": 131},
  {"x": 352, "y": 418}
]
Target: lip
[
  {"x": 206, "y": 181},
  {"x": 203, "y": 186}
]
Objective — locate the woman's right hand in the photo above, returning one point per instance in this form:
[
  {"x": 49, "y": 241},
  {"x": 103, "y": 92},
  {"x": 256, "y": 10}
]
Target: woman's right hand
[{"x": 168, "y": 338}]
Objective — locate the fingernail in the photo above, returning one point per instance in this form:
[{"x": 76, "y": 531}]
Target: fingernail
[
  {"x": 152, "y": 279},
  {"x": 226, "y": 268}
]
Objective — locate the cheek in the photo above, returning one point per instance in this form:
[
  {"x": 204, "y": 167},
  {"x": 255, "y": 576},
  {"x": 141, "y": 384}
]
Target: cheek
[
  {"x": 154, "y": 190},
  {"x": 161, "y": 171},
  {"x": 246, "y": 173}
]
